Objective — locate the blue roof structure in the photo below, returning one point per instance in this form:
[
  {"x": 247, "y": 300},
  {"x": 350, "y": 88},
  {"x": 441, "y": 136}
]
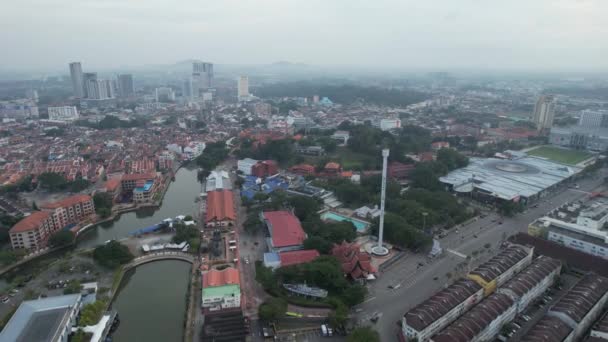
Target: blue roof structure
[
  {"x": 251, "y": 186},
  {"x": 149, "y": 229}
]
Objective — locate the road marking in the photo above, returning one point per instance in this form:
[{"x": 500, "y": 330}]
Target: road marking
[
  {"x": 369, "y": 300},
  {"x": 457, "y": 253}
]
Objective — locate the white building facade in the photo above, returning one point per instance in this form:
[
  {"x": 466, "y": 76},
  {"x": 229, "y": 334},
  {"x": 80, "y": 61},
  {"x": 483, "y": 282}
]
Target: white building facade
[{"x": 65, "y": 113}]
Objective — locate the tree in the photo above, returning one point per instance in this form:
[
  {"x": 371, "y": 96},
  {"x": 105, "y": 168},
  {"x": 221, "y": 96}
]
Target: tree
[
  {"x": 451, "y": 159},
  {"x": 80, "y": 336},
  {"x": 92, "y": 313},
  {"x": 318, "y": 243},
  {"x": 354, "y": 295},
  {"x": 103, "y": 203},
  {"x": 61, "y": 238},
  {"x": 112, "y": 254},
  {"x": 509, "y": 208},
  {"x": 425, "y": 175},
  {"x": 73, "y": 287},
  {"x": 52, "y": 181},
  {"x": 363, "y": 334},
  {"x": 272, "y": 309},
  {"x": 252, "y": 224},
  {"x": 184, "y": 233}
]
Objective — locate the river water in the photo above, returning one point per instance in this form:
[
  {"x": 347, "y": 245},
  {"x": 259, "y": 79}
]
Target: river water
[
  {"x": 151, "y": 303},
  {"x": 179, "y": 200},
  {"x": 152, "y": 300}
]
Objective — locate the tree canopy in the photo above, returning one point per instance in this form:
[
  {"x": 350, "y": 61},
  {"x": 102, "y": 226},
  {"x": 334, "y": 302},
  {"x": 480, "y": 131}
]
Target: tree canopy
[
  {"x": 214, "y": 154},
  {"x": 61, "y": 238},
  {"x": 112, "y": 254},
  {"x": 363, "y": 334},
  {"x": 272, "y": 309}
]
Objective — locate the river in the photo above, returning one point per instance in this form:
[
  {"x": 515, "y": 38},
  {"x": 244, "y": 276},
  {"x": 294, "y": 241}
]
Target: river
[
  {"x": 151, "y": 302},
  {"x": 179, "y": 200}
]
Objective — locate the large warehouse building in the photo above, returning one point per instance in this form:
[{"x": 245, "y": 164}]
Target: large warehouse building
[{"x": 519, "y": 179}]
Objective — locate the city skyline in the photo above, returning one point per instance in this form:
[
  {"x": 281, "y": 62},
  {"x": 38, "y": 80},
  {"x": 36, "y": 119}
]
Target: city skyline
[{"x": 547, "y": 35}]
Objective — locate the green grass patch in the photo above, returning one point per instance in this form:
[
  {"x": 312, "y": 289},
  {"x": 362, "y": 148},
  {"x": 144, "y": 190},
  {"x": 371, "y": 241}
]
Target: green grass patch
[{"x": 560, "y": 155}]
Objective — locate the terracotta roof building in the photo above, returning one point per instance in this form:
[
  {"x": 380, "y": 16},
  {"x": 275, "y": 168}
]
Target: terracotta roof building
[
  {"x": 265, "y": 168},
  {"x": 221, "y": 289},
  {"x": 70, "y": 210},
  {"x": 220, "y": 209},
  {"x": 355, "y": 263},
  {"x": 303, "y": 169},
  {"x": 286, "y": 233},
  {"x": 33, "y": 231},
  {"x": 298, "y": 257}
]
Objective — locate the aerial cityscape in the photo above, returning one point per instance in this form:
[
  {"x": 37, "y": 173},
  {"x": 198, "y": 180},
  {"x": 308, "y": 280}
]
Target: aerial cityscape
[{"x": 304, "y": 171}]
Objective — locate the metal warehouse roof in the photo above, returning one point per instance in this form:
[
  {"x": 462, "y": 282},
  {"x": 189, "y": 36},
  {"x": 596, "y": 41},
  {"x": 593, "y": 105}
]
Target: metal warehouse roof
[{"x": 508, "y": 179}]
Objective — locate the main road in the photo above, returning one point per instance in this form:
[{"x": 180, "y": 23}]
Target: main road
[{"x": 416, "y": 277}]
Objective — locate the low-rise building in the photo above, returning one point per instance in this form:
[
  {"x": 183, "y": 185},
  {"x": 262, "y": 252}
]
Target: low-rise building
[
  {"x": 285, "y": 230},
  {"x": 484, "y": 321},
  {"x": 310, "y": 150},
  {"x": 221, "y": 289},
  {"x": 265, "y": 168},
  {"x": 220, "y": 209},
  {"x": 356, "y": 264},
  {"x": 599, "y": 332},
  {"x": 64, "y": 114},
  {"x": 579, "y": 137},
  {"x": 498, "y": 270},
  {"x": 245, "y": 165},
  {"x": 341, "y": 136},
  {"x": 46, "y": 319},
  {"x": 218, "y": 180},
  {"x": 576, "y": 311},
  {"x": 289, "y": 258},
  {"x": 438, "y": 311},
  {"x": 576, "y": 225}
]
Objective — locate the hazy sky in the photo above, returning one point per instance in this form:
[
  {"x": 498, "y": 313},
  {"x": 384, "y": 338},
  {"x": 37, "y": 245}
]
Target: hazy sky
[{"x": 520, "y": 34}]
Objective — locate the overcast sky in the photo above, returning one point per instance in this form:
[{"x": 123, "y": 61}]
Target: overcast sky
[{"x": 496, "y": 34}]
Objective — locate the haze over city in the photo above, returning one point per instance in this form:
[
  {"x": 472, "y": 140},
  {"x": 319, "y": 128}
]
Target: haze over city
[
  {"x": 304, "y": 171},
  {"x": 469, "y": 34}
]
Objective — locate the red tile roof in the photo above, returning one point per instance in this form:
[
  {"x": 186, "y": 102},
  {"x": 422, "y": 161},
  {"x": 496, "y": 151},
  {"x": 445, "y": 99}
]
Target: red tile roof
[
  {"x": 138, "y": 176},
  {"x": 30, "y": 222},
  {"x": 286, "y": 228},
  {"x": 298, "y": 257},
  {"x": 228, "y": 276},
  {"x": 332, "y": 166},
  {"x": 67, "y": 202},
  {"x": 355, "y": 263},
  {"x": 112, "y": 184},
  {"x": 220, "y": 206}
]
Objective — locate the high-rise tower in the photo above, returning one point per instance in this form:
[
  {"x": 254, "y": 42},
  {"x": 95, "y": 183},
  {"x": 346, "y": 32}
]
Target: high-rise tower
[
  {"x": 379, "y": 249},
  {"x": 76, "y": 75}
]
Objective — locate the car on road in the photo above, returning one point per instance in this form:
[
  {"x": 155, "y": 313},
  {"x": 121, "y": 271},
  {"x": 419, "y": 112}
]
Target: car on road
[
  {"x": 475, "y": 235},
  {"x": 5, "y": 299}
]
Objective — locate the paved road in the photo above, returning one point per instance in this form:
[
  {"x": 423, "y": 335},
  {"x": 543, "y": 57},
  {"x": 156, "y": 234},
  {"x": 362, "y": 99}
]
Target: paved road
[{"x": 418, "y": 283}]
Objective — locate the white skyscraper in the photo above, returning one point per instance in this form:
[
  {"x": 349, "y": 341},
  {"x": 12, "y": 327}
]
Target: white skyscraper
[
  {"x": 544, "y": 111},
  {"x": 76, "y": 75},
  {"x": 243, "y": 88}
]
